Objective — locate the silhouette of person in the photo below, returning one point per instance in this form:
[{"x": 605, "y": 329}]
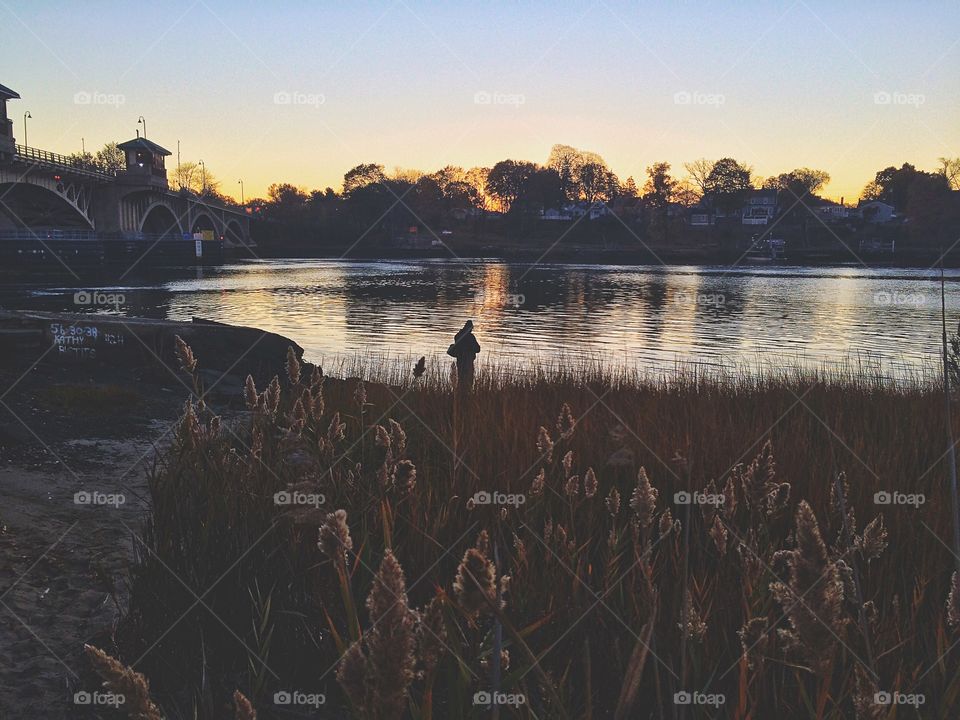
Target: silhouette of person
[{"x": 464, "y": 348}]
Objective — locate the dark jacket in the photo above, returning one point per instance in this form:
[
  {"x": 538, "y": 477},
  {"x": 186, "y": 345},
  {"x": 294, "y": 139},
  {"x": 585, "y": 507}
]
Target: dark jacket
[{"x": 465, "y": 345}]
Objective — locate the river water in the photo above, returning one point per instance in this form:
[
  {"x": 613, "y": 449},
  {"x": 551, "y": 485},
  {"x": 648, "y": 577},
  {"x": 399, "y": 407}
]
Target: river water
[{"x": 646, "y": 317}]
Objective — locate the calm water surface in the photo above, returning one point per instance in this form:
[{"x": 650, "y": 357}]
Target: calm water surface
[{"x": 647, "y": 317}]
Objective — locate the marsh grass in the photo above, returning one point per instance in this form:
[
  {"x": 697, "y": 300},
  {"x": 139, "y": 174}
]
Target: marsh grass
[{"x": 790, "y": 597}]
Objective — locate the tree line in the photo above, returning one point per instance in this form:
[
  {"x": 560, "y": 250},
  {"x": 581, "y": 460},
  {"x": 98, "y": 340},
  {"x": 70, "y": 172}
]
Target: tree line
[{"x": 519, "y": 189}]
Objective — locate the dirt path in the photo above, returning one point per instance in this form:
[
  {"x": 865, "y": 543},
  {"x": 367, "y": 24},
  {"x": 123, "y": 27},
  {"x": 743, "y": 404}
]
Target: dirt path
[{"x": 64, "y": 557}]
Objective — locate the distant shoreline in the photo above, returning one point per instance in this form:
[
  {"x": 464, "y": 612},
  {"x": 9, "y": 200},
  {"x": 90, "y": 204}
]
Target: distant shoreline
[{"x": 919, "y": 257}]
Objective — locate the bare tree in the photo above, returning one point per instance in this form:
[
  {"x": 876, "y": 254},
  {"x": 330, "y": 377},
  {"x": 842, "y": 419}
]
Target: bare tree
[
  {"x": 699, "y": 171},
  {"x": 950, "y": 169}
]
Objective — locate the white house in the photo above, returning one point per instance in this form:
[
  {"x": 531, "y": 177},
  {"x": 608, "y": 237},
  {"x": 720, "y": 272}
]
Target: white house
[
  {"x": 759, "y": 208},
  {"x": 875, "y": 211}
]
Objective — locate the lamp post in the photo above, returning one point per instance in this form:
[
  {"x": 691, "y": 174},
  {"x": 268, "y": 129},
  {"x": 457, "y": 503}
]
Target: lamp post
[
  {"x": 241, "y": 190},
  {"x": 203, "y": 174},
  {"x": 141, "y": 121},
  {"x": 26, "y": 116}
]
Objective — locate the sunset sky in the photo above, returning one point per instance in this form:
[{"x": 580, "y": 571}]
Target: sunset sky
[{"x": 302, "y": 91}]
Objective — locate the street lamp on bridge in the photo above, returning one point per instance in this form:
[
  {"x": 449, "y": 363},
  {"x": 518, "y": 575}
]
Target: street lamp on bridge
[
  {"x": 26, "y": 116},
  {"x": 241, "y": 190},
  {"x": 141, "y": 121},
  {"x": 203, "y": 175}
]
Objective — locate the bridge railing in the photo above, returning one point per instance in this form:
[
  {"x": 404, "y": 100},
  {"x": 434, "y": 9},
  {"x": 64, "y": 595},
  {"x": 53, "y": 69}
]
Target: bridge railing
[
  {"x": 45, "y": 234},
  {"x": 48, "y": 235},
  {"x": 70, "y": 164}
]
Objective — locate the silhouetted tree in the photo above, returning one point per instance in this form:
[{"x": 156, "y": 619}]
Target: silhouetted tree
[
  {"x": 728, "y": 182},
  {"x": 798, "y": 183},
  {"x": 660, "y": 186},
  {"x": 892, "y": 185},
  {"x": 507, "y": 180},
  {"x": 950, "y": 169},
  {"x": 110, "y": 158},
  {"x": 584, "y": 175},
  {"x": 362, "y": 176}
]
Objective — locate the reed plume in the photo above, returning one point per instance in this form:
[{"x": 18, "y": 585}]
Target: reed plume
[
  {"x": 536, "y": 487},
  {"x": 377, "y": 680},
  {"x": 185, "y": 356},
  {"x": 953, "y": 601},
  {"x": 475, "y": 583},
  {"x": 754, "y": 639},
  {"x": 125, "y": 682},
  {"x": 613, "y": 502},
  {"x": 545, "y": 444},
  {"x": 813, "y": 596},
  {"x": 590, "y": 484},
  {"x": 293, "y": 367},
  {"x": 643, "y": 501},
  {"x": 243, "y": 708},
  {"x": 335, "y": 541},
  {"x": 566, "y": 422}
]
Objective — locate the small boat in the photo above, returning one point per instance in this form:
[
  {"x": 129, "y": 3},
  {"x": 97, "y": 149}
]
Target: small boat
[{"x": 766, "y": 250}]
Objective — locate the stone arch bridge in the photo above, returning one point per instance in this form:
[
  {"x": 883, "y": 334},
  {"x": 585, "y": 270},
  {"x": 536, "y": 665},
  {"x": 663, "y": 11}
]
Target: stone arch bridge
[
  {"x": 42, "y": 192},
  {"x": 53, "y": 206}
]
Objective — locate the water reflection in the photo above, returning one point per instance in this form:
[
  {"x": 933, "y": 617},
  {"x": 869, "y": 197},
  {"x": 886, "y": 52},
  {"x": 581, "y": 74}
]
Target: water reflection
[{"x": 632, "y": 316}]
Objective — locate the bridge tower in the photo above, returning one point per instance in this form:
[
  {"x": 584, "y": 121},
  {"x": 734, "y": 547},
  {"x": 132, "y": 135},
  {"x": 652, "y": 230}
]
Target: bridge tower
[
  {"x": 145, "y": 164},
  {"x": 8, "y": 145}
]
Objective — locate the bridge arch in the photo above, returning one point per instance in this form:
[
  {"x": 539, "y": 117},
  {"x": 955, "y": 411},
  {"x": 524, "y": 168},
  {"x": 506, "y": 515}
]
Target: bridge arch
[
  {"x": 39, "y": 205},
  {"x": 233, "y": 231},
  {"x": 159, "y": 219},
  {"x": 204, "y": 221}
]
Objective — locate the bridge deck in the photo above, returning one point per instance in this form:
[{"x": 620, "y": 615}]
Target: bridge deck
[{"x": 55, "y": 161}]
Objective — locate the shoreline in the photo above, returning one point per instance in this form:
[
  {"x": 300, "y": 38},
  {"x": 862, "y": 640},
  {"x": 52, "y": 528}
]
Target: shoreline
[{"x": 74, "y": 424}]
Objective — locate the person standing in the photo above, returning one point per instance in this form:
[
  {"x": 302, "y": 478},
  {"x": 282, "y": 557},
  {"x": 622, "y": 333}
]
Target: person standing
[{"x": 465, "y": 348}]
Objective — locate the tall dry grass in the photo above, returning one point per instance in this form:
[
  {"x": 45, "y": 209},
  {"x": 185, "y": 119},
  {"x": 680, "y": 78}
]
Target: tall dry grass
[{"x": 600, "y": 596}]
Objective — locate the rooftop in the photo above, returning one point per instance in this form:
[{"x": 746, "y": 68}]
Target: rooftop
[
  {"x": 8, "y": 94},
  {"x": 141, "y": 143}
]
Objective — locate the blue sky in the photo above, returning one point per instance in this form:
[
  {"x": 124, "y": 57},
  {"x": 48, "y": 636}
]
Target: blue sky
[{"x": 846, "y": 87}]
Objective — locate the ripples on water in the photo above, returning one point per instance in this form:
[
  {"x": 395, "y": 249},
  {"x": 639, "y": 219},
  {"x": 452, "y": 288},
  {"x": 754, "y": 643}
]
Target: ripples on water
[{"x": 623, "y": 317}]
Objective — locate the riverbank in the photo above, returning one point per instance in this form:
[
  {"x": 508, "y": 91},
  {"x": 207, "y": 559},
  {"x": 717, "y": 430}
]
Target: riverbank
[
  {"x": 207, "y": 515},
  {"x": 86, "y": 405}
]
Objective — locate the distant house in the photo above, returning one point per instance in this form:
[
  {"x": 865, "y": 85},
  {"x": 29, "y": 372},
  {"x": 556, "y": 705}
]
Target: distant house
[
  {"x": 598, "y": 210},
  {"x": 759, "y": 207},
  {"x": 831, "y": 212},
  {"x": 876, "y": 212},
  {"x": 576, "y": 211},
  {"x": 702, "y": 216}
]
